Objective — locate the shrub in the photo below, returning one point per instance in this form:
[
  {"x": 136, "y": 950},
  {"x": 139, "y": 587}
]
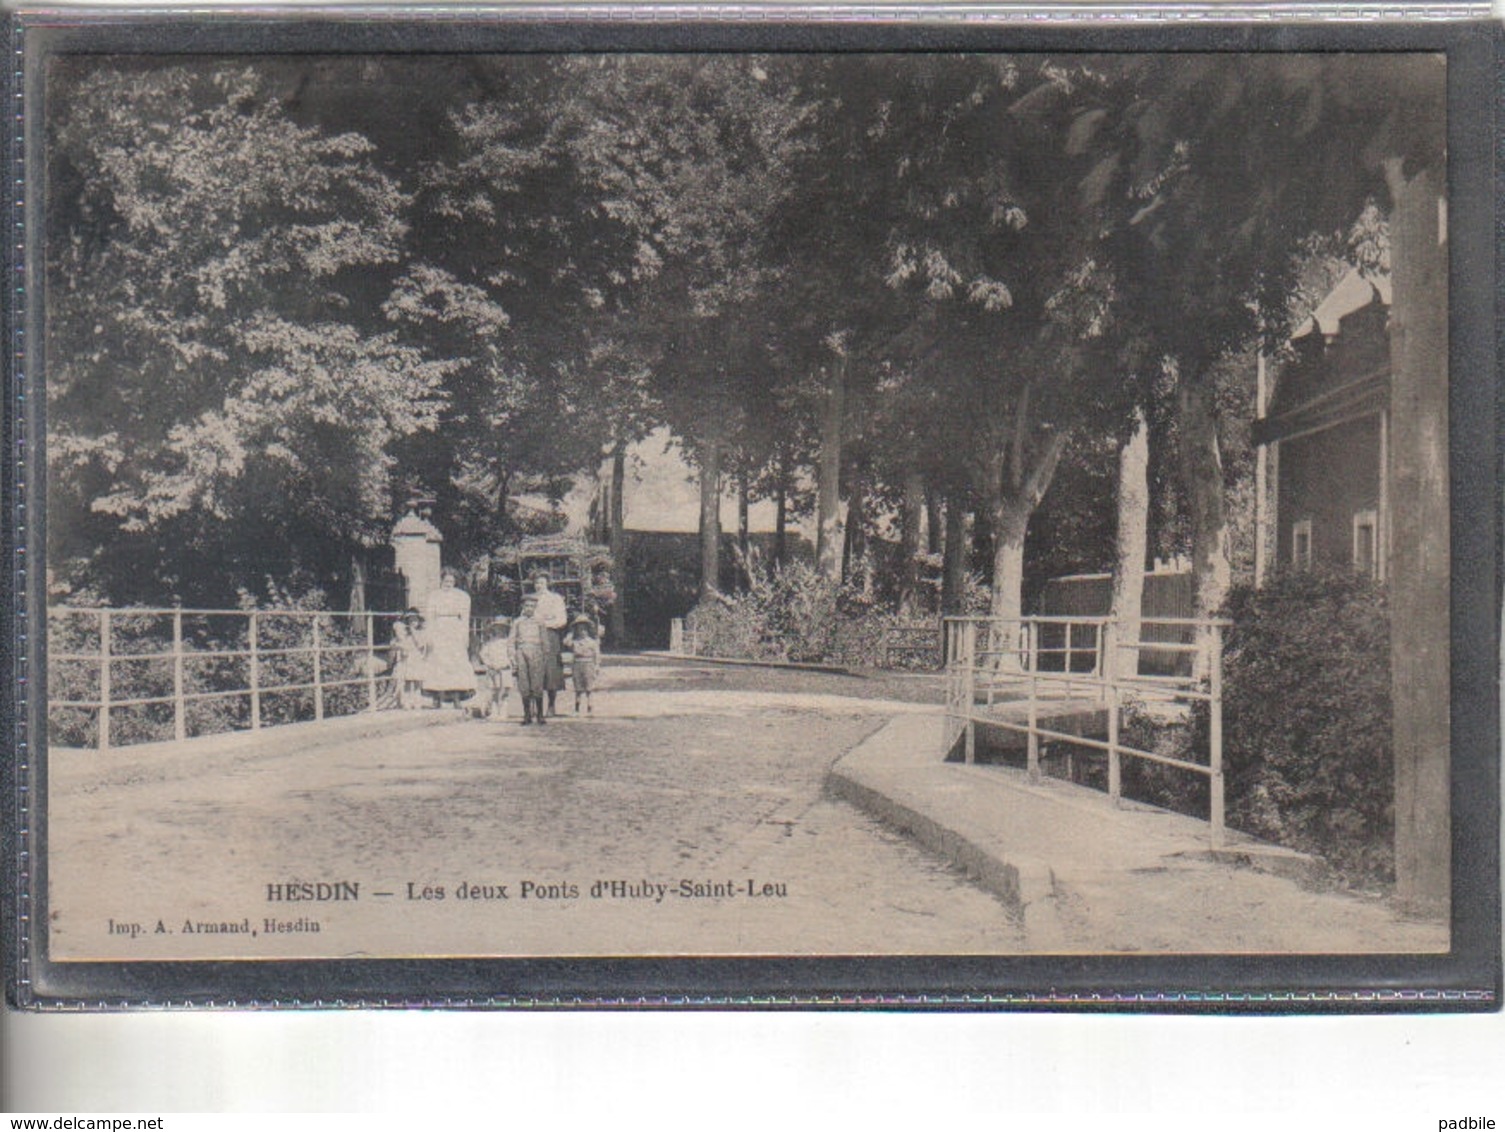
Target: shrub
[
  {"x": 1306, "y": 720},
  {"x": 1183, "y": 737},
  {"x": 214, "y": 662},
  {"x": 792, "y": 613}
]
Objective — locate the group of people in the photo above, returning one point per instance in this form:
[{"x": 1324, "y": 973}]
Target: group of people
[{"x": 432, "y": 661}]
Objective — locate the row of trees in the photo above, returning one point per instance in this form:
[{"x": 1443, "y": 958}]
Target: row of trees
[
  {"x": 282, "y": 298},
  {"x": 926, "y": 279}
]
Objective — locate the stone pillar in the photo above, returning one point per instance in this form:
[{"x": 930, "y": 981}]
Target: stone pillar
[{"x": 417, "y": 544}]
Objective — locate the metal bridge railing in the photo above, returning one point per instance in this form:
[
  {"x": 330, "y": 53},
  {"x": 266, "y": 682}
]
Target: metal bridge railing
[
  {"x": 1042, "y": 662},
  {"x": 167, "y": 673}
]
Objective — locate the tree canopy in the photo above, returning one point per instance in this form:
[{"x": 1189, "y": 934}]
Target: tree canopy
[{"x": 277, "y": 311}]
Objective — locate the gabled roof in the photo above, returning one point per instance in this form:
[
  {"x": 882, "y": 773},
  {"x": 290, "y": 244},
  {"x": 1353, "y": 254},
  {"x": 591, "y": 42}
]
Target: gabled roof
[{"x": 1354, "y": 291}]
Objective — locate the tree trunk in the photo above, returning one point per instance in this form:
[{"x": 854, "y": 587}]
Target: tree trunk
[
  {"x": 1202, "y": 477},
  {"x": 911, "y": 528},
  {"x": 954, "y": 567},
  {"x": 357, "y": 583},
  {"x": 983, "y": 544},
  {"x": 933, "y": 534},
  {"x": 744, "y": 533},
  {"x": 710, "y": 518},
  {"x": 1010, "y": 521},
  {"x": 1014, "y": 496},
  {"x": 780, "y": 519},
  {"x": 1420, "y": 559},
  {"x": 854, "y": 545},
  {"x": 1131, "y": 545},
  {"x": 617, "y": 543},
  {"x": 829, "y": 533},
  {"x": 595, "y": 518},
  {"x": 503, "y": 498}
]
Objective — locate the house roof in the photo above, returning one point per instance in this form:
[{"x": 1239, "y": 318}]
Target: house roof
[{"x": 1354, "y": 291}]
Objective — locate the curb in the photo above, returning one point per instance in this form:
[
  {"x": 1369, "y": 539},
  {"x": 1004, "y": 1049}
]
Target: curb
[
  {"x": 1026, "y": 885},
  {"x": 207, "y": 750},
  {"x": 793, "y": 666}
]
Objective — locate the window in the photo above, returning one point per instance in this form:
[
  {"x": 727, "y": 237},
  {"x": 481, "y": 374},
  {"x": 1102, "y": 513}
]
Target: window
[
  {"x": 1366, "y": 544},
  {"x": 1301, "y": 544}
]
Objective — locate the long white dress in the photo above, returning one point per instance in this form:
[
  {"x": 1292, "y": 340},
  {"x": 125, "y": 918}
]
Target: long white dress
[{"x": 447, "y": 624}]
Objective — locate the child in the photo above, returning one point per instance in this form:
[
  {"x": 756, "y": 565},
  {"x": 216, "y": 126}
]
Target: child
[
  {"x": 528, "y": 661},
  {"x": 496, "y": 655},
  {"x": 586, "y": 666},
  {"x": 408, "y": 650}
]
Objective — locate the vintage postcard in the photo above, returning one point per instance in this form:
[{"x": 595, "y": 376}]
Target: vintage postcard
[{"x": 765, "y": 517}]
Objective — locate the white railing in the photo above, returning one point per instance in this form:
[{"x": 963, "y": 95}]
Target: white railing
[
  {"x": 1066, "y": 664},
  {"x": 204, "y": 671}
]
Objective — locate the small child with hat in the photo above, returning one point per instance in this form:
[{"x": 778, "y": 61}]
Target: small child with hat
[
  {"x": 409, "y": 648},
  {"x": 585, "y": 668},
  {"x": 496, "y": 656}
]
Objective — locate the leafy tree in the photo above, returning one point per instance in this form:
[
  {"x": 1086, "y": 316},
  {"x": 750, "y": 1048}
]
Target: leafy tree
[
  {"x": 512, "y": 285},
  {"x": 1222, "y": 171},
  {"x": 695, "y": 194},
  {"x": 1217, "y": 175},
  {"x": 1020, "y": 308},
  {"x": 216, "y": 415}
]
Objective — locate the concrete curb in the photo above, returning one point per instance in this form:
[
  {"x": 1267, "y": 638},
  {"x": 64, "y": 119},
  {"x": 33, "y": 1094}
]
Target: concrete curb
[
  {"x": 1025, "y": 884},
  {"x": 793, "y": 666},
  {"x": 131, "y": 762}
]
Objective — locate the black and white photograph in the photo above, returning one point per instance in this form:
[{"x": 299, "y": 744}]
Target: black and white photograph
[{"x": 744, "y": 504}]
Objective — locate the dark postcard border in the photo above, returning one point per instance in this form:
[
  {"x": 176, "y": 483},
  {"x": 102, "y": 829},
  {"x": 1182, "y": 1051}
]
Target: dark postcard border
[{"x": 1466, "y": 979}]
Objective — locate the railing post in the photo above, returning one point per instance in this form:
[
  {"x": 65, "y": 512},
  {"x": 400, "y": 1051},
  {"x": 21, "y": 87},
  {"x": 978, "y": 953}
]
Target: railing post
[
  {"x": 1107, "y": 646},
  {"x": 318, "y": 668},
  {"x": 1106, "y": 642},
  {"x": 677, "y": 635},
  {"x": 104, "y": 679},
  {"x": 1032, "y": 735},
  {"x": 179, "y": 709},
  {"x": 1215, "y": 731},
  {"x": 1115, "y": 760},
  {"x": 371, "y": 659},
  {"x": 969, "y": 687},
  {"x": 253, "y": 638}
]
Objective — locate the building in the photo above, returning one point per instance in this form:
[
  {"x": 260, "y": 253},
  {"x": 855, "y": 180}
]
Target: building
[{"x": 1322, "y": 436}]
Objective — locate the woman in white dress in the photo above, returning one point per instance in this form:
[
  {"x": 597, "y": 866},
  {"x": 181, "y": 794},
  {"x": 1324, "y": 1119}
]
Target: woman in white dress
[{"x": 447, "y": 671}]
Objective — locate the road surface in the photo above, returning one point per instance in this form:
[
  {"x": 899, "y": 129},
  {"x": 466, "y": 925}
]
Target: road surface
[{"x": 683, "y": 817}]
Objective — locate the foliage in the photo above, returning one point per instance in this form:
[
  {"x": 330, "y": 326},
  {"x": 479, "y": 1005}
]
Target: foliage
[
  {"x": 207, "y": 379},
  {"x": 1306, "y": 725},
  {"x": 264, "y": 332},
  {"x": 1307, "y": 719},
  {"x": 214, "y": 670},
  {"x": 793, "y": 613},
  {"x": 1183, "y": 737}
]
